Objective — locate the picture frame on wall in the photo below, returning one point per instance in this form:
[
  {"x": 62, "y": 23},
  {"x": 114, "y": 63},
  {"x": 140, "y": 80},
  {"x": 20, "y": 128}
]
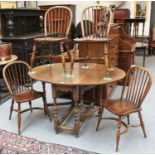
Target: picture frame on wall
[
  {"x": 27, "y": 4},
  {"x": 140, "y": 9}
]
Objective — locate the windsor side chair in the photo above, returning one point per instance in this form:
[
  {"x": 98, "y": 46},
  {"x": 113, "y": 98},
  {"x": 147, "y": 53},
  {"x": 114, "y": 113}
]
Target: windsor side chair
[
  {"x": 21, "y": 89},
  {"x": 137, "y": 84},
  {"x": 57, "y": 24}
]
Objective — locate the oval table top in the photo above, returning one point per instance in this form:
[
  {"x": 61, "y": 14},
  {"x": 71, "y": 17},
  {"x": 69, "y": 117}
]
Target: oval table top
[
  {"x": 4, "y": 62},
  {"x": 93, "y": 74}
]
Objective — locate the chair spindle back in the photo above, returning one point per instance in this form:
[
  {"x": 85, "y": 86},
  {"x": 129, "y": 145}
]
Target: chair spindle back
[
  {"x": 57, "y": 21},
  {"x": 96, "y": 21},
  {"x": 16, "y": 76},
  {"x": 137, "y": 84}
]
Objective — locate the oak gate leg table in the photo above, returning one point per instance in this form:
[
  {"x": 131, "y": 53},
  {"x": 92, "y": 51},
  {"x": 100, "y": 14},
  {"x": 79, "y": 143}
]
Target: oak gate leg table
[{"x": 82, "y": 78}]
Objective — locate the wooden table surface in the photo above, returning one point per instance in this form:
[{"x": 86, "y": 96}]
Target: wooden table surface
[
  {"x": 93, "y": 75},
  {"x": 81, "y": 79}
]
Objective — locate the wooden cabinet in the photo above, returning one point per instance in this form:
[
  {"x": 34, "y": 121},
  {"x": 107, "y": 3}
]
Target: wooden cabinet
[
  {"x": 121, "y": 54},
  {"x": 96, "y": 49},
  {"x": 126, "y": 59},
  {"x": 126, "y": 47},
  {"x": 18, "y": 22},
  {"x": 120, "y": 15},
  {"x": 20, "y": 27}
]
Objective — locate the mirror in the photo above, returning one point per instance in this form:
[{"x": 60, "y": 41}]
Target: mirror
[{"x": 140, "y": 9}]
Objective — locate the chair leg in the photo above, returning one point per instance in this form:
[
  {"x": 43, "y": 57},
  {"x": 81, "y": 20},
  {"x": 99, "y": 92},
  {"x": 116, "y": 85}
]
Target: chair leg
[
  {"x": 44, "y": 90},
  {"x": 19, "y": 118},
  {"x": 46, "y": 108},
  {"x": 11, "y": 109},
  {"x": 30, "y": 104},
  {"x": 101, "y": 109},
  {"x": 142, "y": 123},
  {"x": 128, "y": 119},
  {"x": 99, "y": 117},
  {"x": 144, "y": 57},
  {"x": 118, "y": 133}
]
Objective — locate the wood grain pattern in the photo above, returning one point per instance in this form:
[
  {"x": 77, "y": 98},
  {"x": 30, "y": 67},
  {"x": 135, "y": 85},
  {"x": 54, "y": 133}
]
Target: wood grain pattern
[
  {"x": 81, "y": 79},
  {"x": 94, "y": 75}
]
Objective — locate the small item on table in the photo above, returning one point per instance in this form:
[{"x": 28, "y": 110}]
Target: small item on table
[{"x": 5, "y": 51}]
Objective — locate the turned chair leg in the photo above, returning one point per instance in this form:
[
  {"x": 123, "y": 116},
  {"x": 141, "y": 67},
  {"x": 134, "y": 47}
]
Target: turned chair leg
[
  {"x": 44, "y": 90},
  {"x": 144, "y": 55},
  {"x": 30, "y": 104},
  {"x": 99, "y": 117},
  {"x": 128, "y": 119},
  {"x": 118, "y": 133},
  {"x": 19, "y": 118},
  {"x": 11, "y": 109},
  {"x": 142, "y": 123},
  {"x": 46, "y": 108}
]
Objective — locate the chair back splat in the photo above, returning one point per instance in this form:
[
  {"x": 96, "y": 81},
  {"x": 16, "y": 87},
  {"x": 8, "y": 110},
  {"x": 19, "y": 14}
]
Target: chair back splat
[
  {"x": 137, "y": 85},
  {"x": 96, "y": 21},
  {"x": 16, "y": 76},
  {"x": 57, "y": 21}
]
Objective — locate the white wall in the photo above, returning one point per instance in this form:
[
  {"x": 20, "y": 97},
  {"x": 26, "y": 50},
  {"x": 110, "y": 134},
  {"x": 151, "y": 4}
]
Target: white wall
[{"x": 81, "y": 5}]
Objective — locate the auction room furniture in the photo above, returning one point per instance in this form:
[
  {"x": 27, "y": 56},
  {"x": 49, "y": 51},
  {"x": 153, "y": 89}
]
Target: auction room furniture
[
  {"x": 120, "y": 15},
  {"x": 119, "y": 45},
  {"x": 72, "y": 29},
  {"x": 48, "y": 59},
  {"x": 20, "y": 27},
  {"x": 137, "y": 84},
  {"x": 81, "y": 79},
  {"x": 134, "y": 31},
  {"x": 20, "y": 86},
  {"x": 57, "y": 23},
  {"x": 95, "y": 26}
]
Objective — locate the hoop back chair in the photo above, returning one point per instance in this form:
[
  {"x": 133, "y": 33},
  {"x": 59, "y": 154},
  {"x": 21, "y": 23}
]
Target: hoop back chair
[
  {"x": 95, "y": 25},
  {"x": 137, "y": 84},
  {"x": 96, "y": 21},
  {"x": 136, "y": 30},
  {"x": 21, "y": 89},
  {"x": 57, "y": 24}
]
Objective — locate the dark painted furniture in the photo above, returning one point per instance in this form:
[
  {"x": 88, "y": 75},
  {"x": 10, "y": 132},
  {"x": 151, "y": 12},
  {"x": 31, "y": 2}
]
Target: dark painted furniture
[{"x": 20, "y": 27}]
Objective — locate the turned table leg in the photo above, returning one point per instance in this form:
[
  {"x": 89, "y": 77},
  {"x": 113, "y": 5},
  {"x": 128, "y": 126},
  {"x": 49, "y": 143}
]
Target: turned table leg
[
  {"x": 76, "y": 111},
  {"x": 81, "y": 103},
  {"x": 56, "y": 119}
]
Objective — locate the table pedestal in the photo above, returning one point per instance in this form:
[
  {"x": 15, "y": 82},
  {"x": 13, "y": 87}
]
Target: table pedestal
[{"x": 76, "y": 108}]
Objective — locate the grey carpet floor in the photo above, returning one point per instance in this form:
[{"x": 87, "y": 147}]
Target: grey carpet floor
[{"x": 37, "y": 125}]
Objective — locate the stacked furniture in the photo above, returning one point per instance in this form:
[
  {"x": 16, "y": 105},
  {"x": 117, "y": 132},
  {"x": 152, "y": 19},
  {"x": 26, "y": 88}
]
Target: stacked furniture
[
  {"x": 19, "y": 29},
  {"x": 121, "y": 53}
]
